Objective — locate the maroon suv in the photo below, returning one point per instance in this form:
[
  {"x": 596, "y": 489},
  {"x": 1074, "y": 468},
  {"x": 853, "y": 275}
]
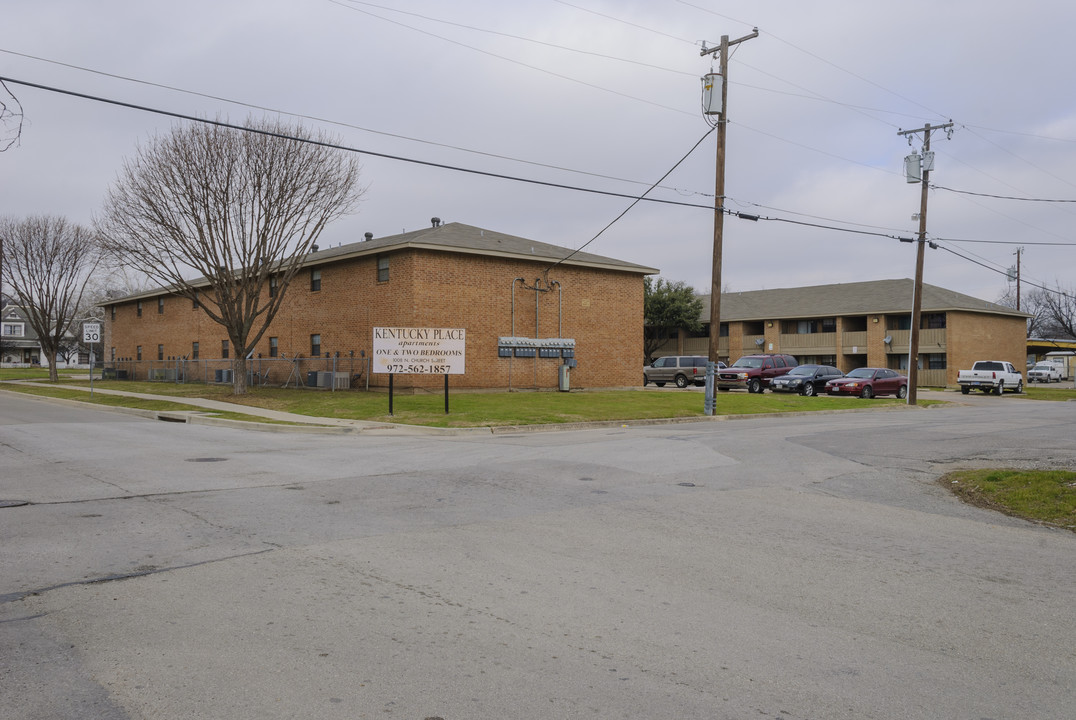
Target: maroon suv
[{"x": 754, "y": 372}]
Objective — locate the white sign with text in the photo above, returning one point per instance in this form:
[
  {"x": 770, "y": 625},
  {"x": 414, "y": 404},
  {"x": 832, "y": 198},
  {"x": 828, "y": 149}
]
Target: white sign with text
[{"x": 419, "y": 351}]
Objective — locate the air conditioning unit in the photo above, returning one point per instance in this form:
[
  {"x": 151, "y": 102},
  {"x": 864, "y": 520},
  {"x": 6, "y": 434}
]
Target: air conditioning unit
[
  {"x": 222, "y": 376},
  {"x": 342, "y": 381},
  {"x": 325, "y": 379}
]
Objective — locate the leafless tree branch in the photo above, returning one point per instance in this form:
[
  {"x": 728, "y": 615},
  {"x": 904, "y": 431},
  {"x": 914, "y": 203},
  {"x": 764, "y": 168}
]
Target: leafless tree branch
[
  {"x": 234, "y": 207},
  {"x": 48, "y": 263}
]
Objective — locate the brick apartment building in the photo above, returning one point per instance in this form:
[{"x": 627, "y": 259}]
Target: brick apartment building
[
  {"x": 508, "y": 293},
  {"x": 864, "y": 324}
]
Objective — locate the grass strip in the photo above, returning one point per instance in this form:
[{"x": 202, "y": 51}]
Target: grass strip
[{"x": 1045, "y": 496}]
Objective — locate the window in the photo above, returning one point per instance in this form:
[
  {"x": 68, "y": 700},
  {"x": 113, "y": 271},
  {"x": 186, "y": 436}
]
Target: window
[
  {"x": 933, "y": 321},
  {"x": 160, "y": 352},
  {"x": 160, "y": 306},
  {"x": 112, "y": 356},
  {"x": 315, "y": 345},
  {"x": 382, "y": 268},
  {"x": 138, "y": 309},
  {"x": 274, "y": 287},
  {"x": 898, "y": 322},
  {"x": 112, "y": 310},
  {"x": 274, "y": 347},
  {"x": 194, "y": 351},
  {"x": 138, "y": 353},
  {"x": 13, "y": 329},
  {"x": 937, "y": 361},
  {"x": 224, "y": 349},
  {"x": 315, "y": 280},
  {"x": 194, "y": 301}
]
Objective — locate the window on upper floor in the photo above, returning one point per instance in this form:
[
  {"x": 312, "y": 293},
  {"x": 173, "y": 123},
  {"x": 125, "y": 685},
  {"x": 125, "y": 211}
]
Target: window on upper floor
[
  {"x": 933, "y": 321},
  {"x": 13, "y": 330},
  {"x": 138, "y": 309},
  {"x": 274, "y": 346},
  {"x": 160, "y": 306},
  {"x": 382, "y": 268},
  {"x": 274, "y": 286},
  {"x": 315, "y": 280}
]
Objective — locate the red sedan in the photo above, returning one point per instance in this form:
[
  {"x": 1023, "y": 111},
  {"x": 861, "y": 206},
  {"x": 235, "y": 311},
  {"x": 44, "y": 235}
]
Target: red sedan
[{"x": 869, "y": 382}]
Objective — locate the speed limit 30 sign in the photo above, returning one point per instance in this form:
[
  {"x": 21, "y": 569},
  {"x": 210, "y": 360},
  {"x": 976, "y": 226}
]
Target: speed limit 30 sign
[{"x": 91, "y": 332}]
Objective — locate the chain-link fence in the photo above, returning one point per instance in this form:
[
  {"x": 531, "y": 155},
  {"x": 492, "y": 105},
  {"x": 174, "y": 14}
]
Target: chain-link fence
[{"x": 331, "y": 373}]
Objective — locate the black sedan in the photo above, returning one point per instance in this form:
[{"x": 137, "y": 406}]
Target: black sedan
[{"x": 806, "y": 379}]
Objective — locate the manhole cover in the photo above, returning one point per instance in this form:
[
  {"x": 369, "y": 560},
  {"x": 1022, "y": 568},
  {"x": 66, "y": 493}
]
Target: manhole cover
[
  {"x": 13, "y": 503},
  {"x": 206, "y": 459}
]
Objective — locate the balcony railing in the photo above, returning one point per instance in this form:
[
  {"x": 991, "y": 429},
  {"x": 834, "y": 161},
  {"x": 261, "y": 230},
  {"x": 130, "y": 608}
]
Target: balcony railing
[{"x": 809, "y": 343}]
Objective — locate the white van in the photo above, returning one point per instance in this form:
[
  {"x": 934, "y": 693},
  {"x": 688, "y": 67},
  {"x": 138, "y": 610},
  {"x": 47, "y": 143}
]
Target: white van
[{"x": 1065, "y": 360}]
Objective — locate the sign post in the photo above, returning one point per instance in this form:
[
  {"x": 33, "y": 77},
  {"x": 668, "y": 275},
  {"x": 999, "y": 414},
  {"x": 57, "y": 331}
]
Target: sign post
[
  {"x": 419, "y": 351},
  {"x": 91, "y": 334}
]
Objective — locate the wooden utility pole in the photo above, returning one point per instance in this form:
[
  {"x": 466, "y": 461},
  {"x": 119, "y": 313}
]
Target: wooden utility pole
[
  {"x": 917, "y": 291},
  {"x": 719, "y": 191}
]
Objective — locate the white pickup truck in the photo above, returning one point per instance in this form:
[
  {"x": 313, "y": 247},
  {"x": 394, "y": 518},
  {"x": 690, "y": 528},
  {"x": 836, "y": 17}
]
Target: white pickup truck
[
  {"x": 994, "y": 376},
  {"x": 1045, "y": 372}
]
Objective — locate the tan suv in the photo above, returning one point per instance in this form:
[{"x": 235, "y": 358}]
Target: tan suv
[{"x": 679, "y": 369}]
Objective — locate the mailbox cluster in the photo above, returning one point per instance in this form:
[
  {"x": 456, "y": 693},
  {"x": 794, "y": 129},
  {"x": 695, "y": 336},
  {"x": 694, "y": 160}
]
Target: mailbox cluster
[{"x": 522, "y": 347}]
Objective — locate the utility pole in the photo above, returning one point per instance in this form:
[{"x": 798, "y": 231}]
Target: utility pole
[
  {"x": 709, "y": 108},
  {"x": 1018, "y": 252},
  {"x": 919, "y": 171}
]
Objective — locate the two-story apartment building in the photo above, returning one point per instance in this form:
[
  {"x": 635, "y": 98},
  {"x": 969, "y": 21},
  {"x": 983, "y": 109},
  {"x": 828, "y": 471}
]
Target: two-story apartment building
[
  {"x": 528, "y": 308},
  {"x": 853, "y": 325}
]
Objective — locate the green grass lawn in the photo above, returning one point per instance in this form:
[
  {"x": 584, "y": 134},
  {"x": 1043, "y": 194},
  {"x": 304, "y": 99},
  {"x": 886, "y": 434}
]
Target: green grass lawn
[
  {"x": 35, "y": 373},
  {"x": 495, "y": 409},
  {"x": 1062, "y": 391},
  {"x": 1047, "y": 496}
]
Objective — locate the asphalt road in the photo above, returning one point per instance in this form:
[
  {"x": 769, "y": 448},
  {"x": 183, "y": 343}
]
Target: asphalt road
[{"x": 790, "y": 568}]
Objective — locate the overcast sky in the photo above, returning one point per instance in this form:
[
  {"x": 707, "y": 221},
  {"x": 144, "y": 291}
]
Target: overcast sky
[{"x": 602, "y": 95}]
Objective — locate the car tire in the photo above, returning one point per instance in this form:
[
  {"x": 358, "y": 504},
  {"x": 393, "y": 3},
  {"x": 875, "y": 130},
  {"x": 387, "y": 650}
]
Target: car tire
[
  {"x": 754, "y": 386},
  {"x": 1019, "y": 387},
  {"x": 661, "y": 384},
  {"x": 1000, "y": 388},
  {"x": 964, "y": 390},
  {"x": 681, "y": 381},
  {"x": 902, "y": 392},
  {"x": 808, "y": 390},
  {"x": 867, "y": 393},
  {"x": 646, "y": 380}
]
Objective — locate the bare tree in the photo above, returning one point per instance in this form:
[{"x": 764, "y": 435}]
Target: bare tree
[
  {"x": 236, "y": 206},
  {"x": 48, "y": 262},
  {"x": 1052, "y": 310},
  {"x": 1059, "y": 312}
]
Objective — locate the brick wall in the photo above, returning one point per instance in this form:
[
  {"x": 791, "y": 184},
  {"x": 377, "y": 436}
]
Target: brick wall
[{"x": 601, "y": 309}]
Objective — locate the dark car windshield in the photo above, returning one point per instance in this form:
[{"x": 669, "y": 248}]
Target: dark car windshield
[
  {"x": 861, "y": 373},
  {"x": 807, "y": 370},
  {"x": 748, "y": 362}
]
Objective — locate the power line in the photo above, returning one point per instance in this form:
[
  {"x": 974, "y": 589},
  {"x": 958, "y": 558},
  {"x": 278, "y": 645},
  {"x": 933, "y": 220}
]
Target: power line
[
  {"x": 636, "y": 201},
  {"x": 1000, "y": 197},
  {"x": 427, "y": 163},
  {"x": 510, "y": 60},
  {"x": 338, "y": 123}
]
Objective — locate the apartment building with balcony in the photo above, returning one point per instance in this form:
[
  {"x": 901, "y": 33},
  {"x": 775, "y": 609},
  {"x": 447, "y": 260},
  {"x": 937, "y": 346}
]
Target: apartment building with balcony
[{"x": 854, "y": 325}]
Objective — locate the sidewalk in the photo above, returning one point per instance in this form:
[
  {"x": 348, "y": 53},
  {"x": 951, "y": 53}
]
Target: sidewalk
[{"x": 304, "y": 423}]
